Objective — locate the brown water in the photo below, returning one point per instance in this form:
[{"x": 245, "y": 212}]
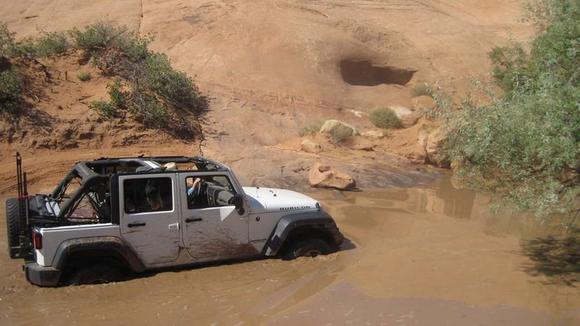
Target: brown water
[{"x": 418, "y": 256}]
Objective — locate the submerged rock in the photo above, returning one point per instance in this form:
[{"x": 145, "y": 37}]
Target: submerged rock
[{"x": 323, "y": 176}]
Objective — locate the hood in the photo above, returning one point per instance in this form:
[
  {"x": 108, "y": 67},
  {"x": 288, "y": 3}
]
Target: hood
[{"x": 275, "y": 200}]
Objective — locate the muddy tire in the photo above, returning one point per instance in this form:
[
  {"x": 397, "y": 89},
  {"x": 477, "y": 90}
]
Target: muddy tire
[
  {"x": 13, "y": 228},
  {"x": 307, "y": 247},
  {"x": 96, "y": 274}
]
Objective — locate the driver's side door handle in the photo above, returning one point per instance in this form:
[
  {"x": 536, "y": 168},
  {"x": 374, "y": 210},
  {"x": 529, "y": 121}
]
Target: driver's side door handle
[
  {"x": 193, "y": 219},
  {"x": 135, "y": 224}
]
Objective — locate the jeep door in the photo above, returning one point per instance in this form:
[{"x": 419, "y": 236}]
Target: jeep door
[
  {"x": 212, "y": 228},
  {"x": 149, "y": 216}
]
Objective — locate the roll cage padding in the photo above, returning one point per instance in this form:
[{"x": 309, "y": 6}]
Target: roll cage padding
[
  {"x": 316, "y": 220},
  {"x": 112, "y": 245}
]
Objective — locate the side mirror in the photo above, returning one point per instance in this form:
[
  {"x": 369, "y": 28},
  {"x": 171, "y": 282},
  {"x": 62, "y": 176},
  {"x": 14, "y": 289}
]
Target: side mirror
[{"x": 238, "y": 201}]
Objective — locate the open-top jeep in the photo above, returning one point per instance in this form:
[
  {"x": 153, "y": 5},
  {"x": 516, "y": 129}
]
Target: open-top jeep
[{"x": 114, "y": 216}]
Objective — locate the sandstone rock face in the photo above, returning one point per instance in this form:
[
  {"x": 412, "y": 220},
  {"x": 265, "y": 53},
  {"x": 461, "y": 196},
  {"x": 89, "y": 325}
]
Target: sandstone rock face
[
  {"x": 310, "y": 146},
  {"x": 335, "y": 126},
  {"x": 407, "y": 116},
  {"x": 433, "y": 148},
  {"x": 323, "y": 176},
  {"x": 374, "y": 134},
  {"x": 423, "y": 103}
]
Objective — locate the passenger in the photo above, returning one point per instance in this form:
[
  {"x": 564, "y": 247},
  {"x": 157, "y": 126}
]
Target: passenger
[{"x": 153, "y": 195}]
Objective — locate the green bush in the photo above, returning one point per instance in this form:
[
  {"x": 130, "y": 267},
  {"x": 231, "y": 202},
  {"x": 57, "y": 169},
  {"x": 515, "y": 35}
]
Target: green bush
[
  {"x": 149, "y": 110},
  {"x": 340, "y": 134},
  {"x": 103, "y": 36},
  {"x": 421, "y": 89},
  {"x": 310, "y": 129},
  {"x": 51, "y": 44},
  {"x": 385, "y": 118},
  {"x": 157, "y": 93},
  {"x": 103, "y": 108},
  {"x": 526, "y": 145},
  {"x": 11, "y": 87},
  {"x": 96, "y": 37},
  {"x": 119, "y": 98},
  {"x": 46, "y": 45},
  {"x": 173, "y": 86},
  {"x": 8, "y": 47},
  {"x": 84, "y": 76}
]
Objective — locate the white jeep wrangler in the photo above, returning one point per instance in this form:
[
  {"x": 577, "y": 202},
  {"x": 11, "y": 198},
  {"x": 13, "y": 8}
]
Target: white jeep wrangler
[{"x": 112, "y": 217}]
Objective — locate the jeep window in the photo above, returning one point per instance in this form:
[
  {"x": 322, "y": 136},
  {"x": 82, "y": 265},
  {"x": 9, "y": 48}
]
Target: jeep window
[
  {"x": 209, "y": 191},
  {"x": 148, "y": 195}
]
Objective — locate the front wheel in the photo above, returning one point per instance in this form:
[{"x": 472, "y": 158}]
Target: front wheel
[{"x": 308, "y": 247}]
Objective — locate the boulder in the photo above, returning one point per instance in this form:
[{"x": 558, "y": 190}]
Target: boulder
[
  {"x": 374, "y": 134},
  {"x": 407, "y": 116},
  {"x": 423, "y": 103},
  {"x": 337, "y": 127},
  {"x": 323, "y": 176},
  {"x": 309, "y": 146}
]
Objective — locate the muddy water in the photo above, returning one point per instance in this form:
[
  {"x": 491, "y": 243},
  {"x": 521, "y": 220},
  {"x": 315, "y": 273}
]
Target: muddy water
[{"x": 417, "y": 256}]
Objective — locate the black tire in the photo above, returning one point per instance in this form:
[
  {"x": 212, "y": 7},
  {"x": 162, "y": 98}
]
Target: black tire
[
  {"x": 307, "y": 247},
  {"x": 13, "y": 228},
  {"x": 96, "y": 274}
]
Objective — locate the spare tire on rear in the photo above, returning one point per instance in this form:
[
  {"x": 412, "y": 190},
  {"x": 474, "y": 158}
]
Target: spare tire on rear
[{"x": 13, "y": 228}]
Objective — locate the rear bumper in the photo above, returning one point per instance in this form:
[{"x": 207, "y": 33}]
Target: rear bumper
[{"x": 40, "y": 275}]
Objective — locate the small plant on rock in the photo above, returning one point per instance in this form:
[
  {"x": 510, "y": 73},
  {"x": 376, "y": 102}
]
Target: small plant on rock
[
  {"x": 84, "y": 76},
  {"x": 385, "y": 118},
  {"x": 311, "y": 129}
]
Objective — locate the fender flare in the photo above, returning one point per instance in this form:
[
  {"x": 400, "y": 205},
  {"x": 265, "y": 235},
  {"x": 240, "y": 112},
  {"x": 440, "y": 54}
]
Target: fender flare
[
  {"x": 108, "y": 243},
  {"x": 319, "y": 220}
]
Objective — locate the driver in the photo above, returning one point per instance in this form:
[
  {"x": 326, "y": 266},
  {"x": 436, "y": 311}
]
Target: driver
[{"x": 193, "y": 189}]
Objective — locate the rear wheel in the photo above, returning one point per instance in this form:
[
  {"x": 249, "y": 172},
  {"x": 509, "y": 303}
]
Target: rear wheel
[
  {"x": 96, "y": 274},
  {"x": 13, "y": 228},
  {"x": 307, "y": 247}
]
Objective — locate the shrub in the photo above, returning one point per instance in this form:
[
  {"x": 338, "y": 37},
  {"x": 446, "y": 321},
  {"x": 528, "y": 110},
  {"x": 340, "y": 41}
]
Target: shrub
[
  {"x": 421, "y": 89},
  {"x": 103, "y": 108},
  {"x": 6, "y": 41},
  {"x": 173, "y": 86},
  {"x": 96, "y": 37},
  {"x": 385, "y": 118},
  {"x": 84, "y": 76},
  {"x": 101, "y": 36},
  {"x": 149, "y": 110},
  {"x": 526, "y": 145},
  {"x": 310, "y": 129},
  {"x": 119, "y": 98},
  {"x": 51, "y": 44},
  {"x": 340, "y": 133},
  {"x": 10, "y": 91}
]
